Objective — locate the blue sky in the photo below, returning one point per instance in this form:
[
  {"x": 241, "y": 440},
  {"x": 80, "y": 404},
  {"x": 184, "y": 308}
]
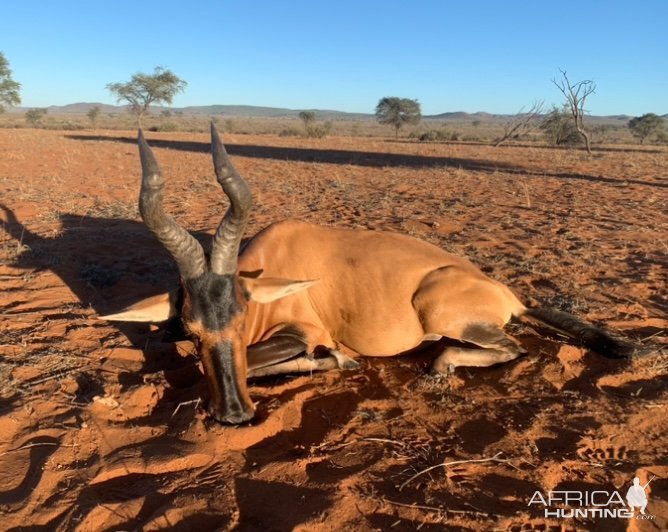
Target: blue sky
[{"x": 494, "y": 56}]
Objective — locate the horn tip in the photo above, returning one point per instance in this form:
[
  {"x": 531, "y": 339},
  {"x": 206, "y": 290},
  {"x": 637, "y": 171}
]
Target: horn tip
[
  {"x": 215, "y": 136},
  {"x": 149, "y": 163},
  {"x": 141, "y": 141}
]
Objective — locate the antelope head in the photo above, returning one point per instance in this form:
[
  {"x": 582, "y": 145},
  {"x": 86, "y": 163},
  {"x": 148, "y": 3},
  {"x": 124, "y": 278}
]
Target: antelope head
[{"x": 215, "y": 298}]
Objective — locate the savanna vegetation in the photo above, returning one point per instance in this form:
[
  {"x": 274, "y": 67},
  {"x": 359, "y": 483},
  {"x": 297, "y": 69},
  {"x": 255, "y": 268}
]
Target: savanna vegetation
[{"x": 566, "y": 125}]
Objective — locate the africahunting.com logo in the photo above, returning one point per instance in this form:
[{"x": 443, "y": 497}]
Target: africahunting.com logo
[{"x": 567, "y": 504}]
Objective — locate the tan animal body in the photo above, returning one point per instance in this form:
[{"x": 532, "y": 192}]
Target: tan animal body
[
  {"x": 378, "y": 293},
  {"x": 298, "y": 289}
]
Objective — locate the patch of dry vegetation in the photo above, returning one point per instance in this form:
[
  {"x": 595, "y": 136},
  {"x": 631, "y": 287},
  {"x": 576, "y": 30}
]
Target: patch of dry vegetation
[{"x": 473, "y": 130}]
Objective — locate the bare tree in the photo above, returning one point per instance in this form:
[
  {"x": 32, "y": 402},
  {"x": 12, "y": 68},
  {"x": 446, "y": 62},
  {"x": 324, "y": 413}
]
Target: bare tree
[
  {"x": 521, "y": 123},
  {"x": 576, "y": 94}
]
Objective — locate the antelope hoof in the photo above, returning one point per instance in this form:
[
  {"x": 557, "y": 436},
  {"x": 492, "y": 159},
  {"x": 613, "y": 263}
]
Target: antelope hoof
[
  {"x": 231, "y": 416},
  {"x": 344, "y": 361},
  {"x": 440, "y": 367}
]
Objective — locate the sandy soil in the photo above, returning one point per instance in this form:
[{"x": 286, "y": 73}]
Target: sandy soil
[{"x": 102, "y": 426}]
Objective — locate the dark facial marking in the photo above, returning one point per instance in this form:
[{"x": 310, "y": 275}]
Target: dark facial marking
[
  {"x": 228, "y": 404},
  {"x": 212, "y": 300},
  {"x": 213, "y": 312}
]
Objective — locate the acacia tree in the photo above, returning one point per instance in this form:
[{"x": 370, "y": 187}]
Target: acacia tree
[
  {"x": 576, "y": 94},
  {"x": 9, "y": 89},
  {"x": 145, "y": 89},
  {"x": 645, "y": 125},
  {"x": 398, "y": 112}
]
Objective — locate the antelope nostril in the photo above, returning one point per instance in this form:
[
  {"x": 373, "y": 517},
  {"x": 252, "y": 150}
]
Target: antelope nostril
[{"x": 229, "y": 399}]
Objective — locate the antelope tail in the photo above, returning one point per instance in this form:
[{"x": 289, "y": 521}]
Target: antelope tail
[{"x": 587, "y": 334}]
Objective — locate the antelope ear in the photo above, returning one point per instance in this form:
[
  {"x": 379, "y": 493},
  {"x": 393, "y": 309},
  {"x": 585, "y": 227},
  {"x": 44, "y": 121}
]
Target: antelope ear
[
  {"x": 154, "y": 309},
  {"x": 266, "y": 290}
]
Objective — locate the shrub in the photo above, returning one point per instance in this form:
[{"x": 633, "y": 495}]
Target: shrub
[
  {"x": 644, "y": 126},
  {"x": 434, "y": 135},
  {"x": 290, "y": 132},
  {"x": 93, "y": 114},
  {"x": 430, "y": 135},
  {"x": 166, "y": 127},
  {"x": 34, "y": 116},
  {"x": 65, "y": 126},
  {"x": 662, "y": 136},
  {"x": 319, "y": 130},
  {"x": 559, "y": 129}
]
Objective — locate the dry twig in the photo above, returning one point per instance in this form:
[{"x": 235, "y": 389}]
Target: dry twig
[
  {"x": 494, "y": 458},
  {"x": 196, "y": 402},
  {"x": 434, "y": 509}
]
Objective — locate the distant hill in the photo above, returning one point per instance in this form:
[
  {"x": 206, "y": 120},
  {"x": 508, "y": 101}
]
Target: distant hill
[
  {"x": 488, "y": 117},
  {"x": 241, "y": 111},
  {"x": 460, "y": 115},
  {"x": 252, "y": 111},
  {"x": 83, "y": 107},
  {"x": 268, "y": 112}
]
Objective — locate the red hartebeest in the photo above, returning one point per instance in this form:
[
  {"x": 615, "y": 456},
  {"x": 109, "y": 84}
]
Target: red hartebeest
[{"x": 296, "y": 288}]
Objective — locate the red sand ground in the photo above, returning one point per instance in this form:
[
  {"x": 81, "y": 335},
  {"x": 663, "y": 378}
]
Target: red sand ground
[{"x": 101, "y": 427}]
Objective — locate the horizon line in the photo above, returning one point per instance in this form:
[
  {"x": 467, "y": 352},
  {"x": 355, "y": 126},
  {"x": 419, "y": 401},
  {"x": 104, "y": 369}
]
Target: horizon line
[{"x": 20, "y": 108}]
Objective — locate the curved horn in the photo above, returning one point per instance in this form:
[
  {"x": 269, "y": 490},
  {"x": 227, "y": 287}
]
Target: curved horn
[
  {"x": 187, "y": 252},
  {"x": 228, "y": 236}
]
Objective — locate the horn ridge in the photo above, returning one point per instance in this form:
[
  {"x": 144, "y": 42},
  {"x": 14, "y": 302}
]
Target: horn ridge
[
  {"x": 181, "y": 245},
  {"x": 227, "y": 239}
]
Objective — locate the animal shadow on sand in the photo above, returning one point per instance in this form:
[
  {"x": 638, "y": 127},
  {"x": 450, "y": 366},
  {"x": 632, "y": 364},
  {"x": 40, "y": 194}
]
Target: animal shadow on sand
[
  {"x": 365, "y": 158},
  {"x": 108, "y": 264}
]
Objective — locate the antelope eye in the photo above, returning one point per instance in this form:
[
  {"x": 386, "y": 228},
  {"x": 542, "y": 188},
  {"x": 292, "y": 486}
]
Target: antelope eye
[
  {"x": 187, "y": 329},
  {"x": 175, "y": 330}
]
